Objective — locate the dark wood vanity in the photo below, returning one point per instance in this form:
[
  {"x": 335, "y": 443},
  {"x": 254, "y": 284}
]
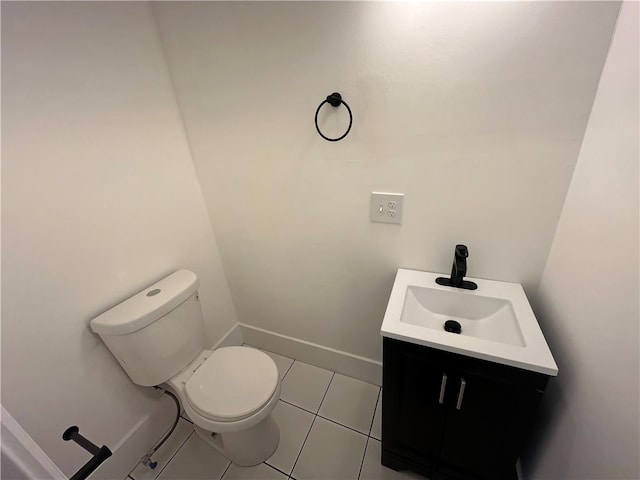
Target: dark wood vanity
[{"x": 450, "y": 416}]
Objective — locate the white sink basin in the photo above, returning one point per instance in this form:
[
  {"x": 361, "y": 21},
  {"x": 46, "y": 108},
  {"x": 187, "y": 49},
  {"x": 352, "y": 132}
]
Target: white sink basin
[
  {"x": 496, "y": 320},
  {"x": 479, "y": 316}
]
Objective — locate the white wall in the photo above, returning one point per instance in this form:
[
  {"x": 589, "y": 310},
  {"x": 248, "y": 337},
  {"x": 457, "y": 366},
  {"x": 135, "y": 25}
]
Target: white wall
[
  {"x": 475, "y": 111},
  {"x": 100, "y": 198},
  {"x": 588, "y": 297}
]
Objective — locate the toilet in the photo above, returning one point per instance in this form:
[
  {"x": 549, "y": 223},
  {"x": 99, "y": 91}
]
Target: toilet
[{"x": 157, "y": 336}]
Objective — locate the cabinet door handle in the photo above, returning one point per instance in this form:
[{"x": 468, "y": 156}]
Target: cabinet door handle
[
  {"x": 461, "y": 393},
  {"x": 443, "y": 386}
]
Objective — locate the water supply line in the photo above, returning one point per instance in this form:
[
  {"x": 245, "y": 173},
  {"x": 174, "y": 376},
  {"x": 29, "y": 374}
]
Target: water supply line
[{"x": 146, "y": 460}]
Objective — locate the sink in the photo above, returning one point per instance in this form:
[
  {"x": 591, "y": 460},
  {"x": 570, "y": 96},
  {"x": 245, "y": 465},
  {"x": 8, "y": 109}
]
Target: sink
[
  {"x": 479, "y": 316},
  {"x": 496, "y": 321}
]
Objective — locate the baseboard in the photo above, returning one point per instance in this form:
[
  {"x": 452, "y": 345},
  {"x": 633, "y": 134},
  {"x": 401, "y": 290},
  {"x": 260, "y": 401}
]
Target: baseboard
[
  {"x": 21, "y": 456},
  {"x": 230, "y": 339},
  {"x": 354, "y": 366},
  {"x": 138, "y": 441}
]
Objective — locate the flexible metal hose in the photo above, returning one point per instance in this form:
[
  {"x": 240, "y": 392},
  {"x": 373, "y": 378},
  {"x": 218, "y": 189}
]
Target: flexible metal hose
[{"x": 146, "y": 460}]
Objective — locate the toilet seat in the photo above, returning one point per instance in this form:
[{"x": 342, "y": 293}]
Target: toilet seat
[{"x": 232, "y": 384}]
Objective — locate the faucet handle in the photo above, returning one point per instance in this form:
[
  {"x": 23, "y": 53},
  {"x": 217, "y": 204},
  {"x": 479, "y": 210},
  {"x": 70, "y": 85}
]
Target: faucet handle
[{"x": 462, "y": 251}]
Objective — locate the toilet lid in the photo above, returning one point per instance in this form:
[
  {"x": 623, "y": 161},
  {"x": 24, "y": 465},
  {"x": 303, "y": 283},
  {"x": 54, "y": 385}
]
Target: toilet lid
[{"x": 232, "y": 383}]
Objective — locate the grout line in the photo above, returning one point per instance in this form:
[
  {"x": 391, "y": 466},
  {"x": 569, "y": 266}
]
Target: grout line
[
  {"x": 368, "y": 435},
  {"x": 173, "y": 456},
  {"x": 226, "y": 469},
  {"x": 327, "y": 418},
  {"x": 285, "y": 373},
  {"x": 311, "y": 427},
  {"x": 375, "y": 410},
  {"x": 302, "y": 448},
  {"x": 342, "y": 425},
  {"x": 289, "y": 368},
  {"x": 323, "y": 397},
  {"x": 298, "y": 406},
  {"x": 364, "y": 454},
  {"x": 186, "y": 419},
  {"x": 276, "y": 469},
  {"x": 325, "y": 392},
  {"x": 160, "y": 471}
]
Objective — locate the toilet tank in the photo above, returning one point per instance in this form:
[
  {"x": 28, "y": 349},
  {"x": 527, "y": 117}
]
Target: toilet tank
[{"x": 157, "y": 332}]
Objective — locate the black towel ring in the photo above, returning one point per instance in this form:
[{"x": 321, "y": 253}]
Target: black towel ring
[{"x": 335, "y": 99}]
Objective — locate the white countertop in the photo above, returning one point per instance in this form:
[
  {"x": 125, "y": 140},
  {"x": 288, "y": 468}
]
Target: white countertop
[{"x": 534, "y": 355}]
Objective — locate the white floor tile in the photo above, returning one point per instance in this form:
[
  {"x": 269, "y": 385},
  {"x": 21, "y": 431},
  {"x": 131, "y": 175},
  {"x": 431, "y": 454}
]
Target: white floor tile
[
  {"x": 350, "y": 402},
  {"x": 195, "y": 461},
  {"x": 372, "y": 469},
  {"x": 305, "y": 386},
  {"x": 330, "y": 452},
  {"x": 283, "y": 363},
  {"x": 259, "y": 472},
  {"x": 376, "y": 428},
  {"x": 165, "y": 452},
  {"x": 294, "y": 426}
]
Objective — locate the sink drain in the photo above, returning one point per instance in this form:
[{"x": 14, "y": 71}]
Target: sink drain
[{"x": 452, "y": 326}]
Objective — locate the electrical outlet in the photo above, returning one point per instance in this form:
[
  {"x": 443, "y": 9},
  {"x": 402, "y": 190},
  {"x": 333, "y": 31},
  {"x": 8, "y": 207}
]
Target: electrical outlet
[{"x": 386, "y": 207}]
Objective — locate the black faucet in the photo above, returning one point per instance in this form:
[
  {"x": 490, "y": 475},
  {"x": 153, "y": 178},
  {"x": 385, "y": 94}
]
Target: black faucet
[
  {"x": 459, "y": 267},
  {"x": 458, "y": 271}
]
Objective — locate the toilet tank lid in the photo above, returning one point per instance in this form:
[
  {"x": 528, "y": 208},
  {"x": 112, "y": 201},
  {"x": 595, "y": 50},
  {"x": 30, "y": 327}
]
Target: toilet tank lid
[{"x": 147, "y": 306}]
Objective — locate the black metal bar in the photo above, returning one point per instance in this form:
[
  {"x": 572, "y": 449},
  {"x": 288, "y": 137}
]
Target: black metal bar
[
  {"x": 88, "y": 468},
  {"x": 100, "y": 454},
  {"x": 72, "y": 433}
]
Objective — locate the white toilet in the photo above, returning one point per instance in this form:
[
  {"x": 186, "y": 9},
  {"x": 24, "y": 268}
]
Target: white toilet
[{"x": 229, "y": 394}]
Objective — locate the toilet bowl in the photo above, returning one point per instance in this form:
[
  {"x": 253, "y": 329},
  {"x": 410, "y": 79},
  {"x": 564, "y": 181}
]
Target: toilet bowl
[
  {"x": 229, "y": 395},
  {"x": 157, "y": 336}
]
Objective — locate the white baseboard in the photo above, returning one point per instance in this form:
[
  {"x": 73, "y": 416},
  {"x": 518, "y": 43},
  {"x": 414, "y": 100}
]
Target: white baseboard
[
  {"x": 354, "y": 366},
  {"x": 137, "y": 442},
  {"x": 22, "y": 457}
]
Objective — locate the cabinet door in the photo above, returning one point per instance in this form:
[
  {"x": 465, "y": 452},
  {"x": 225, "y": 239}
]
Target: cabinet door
[
  {"x": 479, "y": 436},
  {"x": 413, "y": 408}
]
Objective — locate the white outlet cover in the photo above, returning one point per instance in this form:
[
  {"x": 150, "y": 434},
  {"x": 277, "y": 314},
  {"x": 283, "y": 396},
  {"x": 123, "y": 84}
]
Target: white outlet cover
[{"x": 386, "y": 207}]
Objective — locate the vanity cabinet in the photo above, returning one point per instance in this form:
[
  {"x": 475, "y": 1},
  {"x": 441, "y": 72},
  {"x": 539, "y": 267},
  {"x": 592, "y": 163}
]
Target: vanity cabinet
[{"x": 450, "y": 416}]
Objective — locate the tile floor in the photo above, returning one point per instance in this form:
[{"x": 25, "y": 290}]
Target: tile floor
[{"x": 329, "y": 429}]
